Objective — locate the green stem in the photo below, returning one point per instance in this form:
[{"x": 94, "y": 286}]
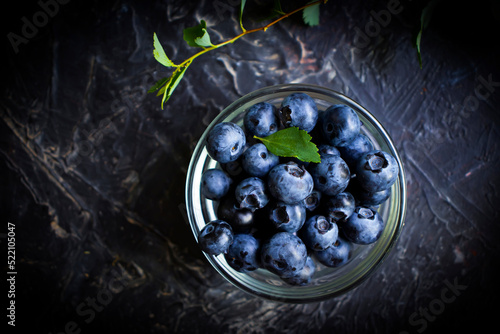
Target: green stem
[{"x": 247, "y": 32}]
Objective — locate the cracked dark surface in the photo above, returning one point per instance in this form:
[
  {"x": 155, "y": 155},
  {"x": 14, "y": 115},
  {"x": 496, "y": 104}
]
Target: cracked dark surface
[{"x": 93, "y": 170}]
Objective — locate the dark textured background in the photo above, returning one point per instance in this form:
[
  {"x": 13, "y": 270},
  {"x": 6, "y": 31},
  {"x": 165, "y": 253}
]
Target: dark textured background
[{"x": 93, "y": 170}]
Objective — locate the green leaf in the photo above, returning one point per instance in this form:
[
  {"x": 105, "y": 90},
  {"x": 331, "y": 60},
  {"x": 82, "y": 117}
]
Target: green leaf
[
  {"x": 159, "y": 53},
  {"x": 417, "y": 45},
  {"x": 310, "y": 15},
  {"x": 425, "y": 19},
  {"x": 197, "y": 36},
  {"x": 157, "y": 85},
  {"x": 276, "y": 11},
  {"x": 292, "y": 142},
  {"x": 277, "y": 8},
  {"x": 171, "y": 84},
  {"x": 242, "y": 6}
]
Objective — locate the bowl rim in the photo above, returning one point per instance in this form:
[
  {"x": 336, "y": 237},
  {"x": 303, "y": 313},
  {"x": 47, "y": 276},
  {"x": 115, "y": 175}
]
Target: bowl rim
[{"x": 280, "y": 88}]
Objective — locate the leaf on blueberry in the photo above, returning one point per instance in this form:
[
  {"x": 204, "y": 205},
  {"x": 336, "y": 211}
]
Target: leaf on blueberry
[
  {"x": 292, "y": 142},
  {"x": 197, "y": 36}
]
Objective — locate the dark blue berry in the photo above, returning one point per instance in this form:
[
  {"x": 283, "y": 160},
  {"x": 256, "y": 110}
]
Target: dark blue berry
[
  {"x": 319, "y": 232},
  {"x": 367, "y": 198},
  {"x": 258, "y": 161},
  {"x": 336, "y": 255},
  {"x": 364, "y": 226},
  {"x": 284, "y": 254},
  {"x": 353, "y": 150},
  {"x": 376, "y": 170},
  {"x": 251, "y": 193},
  {"x": 340, "y": 206},
  {"x": 290, "y": 183},
  {"x": 304, "y": 276},
  {"x": 300, "y": 110},
  {"x": 261, "y": 120},
  {"x": 340, "y": 124},
  {"x": 216, "y": 237},
  {"x": 287, "y": 217},
  {"x": 312, "y": 201},
  {"x": 215, "y": 184},
  {"x": 240, "y": 219},
  {"x": 244, "y": 253},
  {"x": 331, "y": 176},
  {"x": 225, "y": 142}
]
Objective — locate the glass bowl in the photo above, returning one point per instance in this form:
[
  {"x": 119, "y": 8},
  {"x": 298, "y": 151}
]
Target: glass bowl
[{"x": 327, "y": 282}]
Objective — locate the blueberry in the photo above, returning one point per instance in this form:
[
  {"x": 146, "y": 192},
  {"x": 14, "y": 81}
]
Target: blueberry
[
  {"x": 367, "y": 198},
  {"x": 312, "y": 201},
  {"x": 251, "y": 193},
  {"x": 336, "y": 255},
  {"x": 340, "y": 206},
  {"x": 258, "y": 161},
  {"x": 319, "y": 232},
  {"x": 284, "y": 254},
  {"x": 261, "y": 120},
  {"x": 215, "y": 183},
  {"x": 244, "y": 253},
  {"x": 300, "y": 110},
  {"x": 304, "y": 276},
  {"x": 287, "y": 217},
  {"x": 216, "y": 237},
  {"x": 290, "y": 183},
  {"x": 340, "y": 124},
  {"x": 225, "y": 142},
  {"x": 331, "y": 176},
  {"x": 234, "y": 169},
  {"x": 325, "y": 149},
  {"x": 241, "y": 220},
  {"x": 376, "y": 170},
  {"x": 352, "y": 151},
  {"x": 364, "y": 226}
]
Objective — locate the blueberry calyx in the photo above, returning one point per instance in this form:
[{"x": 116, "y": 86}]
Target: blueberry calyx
[
  {"x": 338, "y": 215},
  {"x": 295, "y": 170},
  {"x": 311, "y": 200},
  {"x": 280, "y": 215},
  {"x": 209, "y": 230},
  {"x": 323, "y": 225},
  {"x": 250, "y": 201},
  {"x": 376, "y": 162},
  {"x": 366, "y": 213}
]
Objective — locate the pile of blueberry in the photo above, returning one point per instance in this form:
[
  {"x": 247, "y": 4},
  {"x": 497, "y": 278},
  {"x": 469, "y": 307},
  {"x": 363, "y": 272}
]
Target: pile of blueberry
[{"x": 280, "y": 213}]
